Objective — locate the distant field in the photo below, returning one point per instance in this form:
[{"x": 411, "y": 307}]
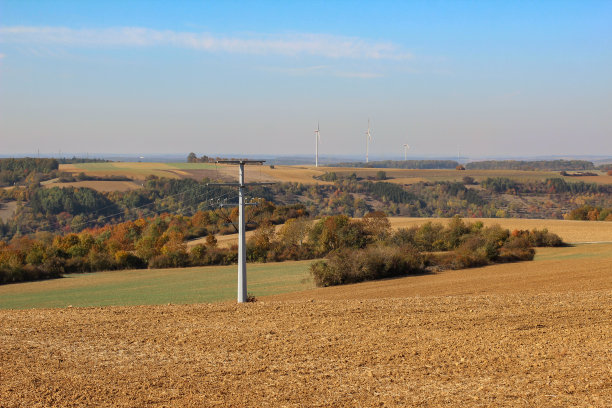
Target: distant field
[
  {"x": 100, "y": 185},
  {"x": 570, "y": 231},
  {"x": 140, "y": 171},
  {"x": 304, "y": 174},
  {"x": 155, "y": 286}
]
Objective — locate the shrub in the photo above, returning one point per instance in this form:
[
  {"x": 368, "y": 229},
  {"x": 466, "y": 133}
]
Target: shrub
[
  {"x": 100, "y": 261},
  {"x": 76, "y": 265},
  {"x": 127, "y": 260},
  {"x": 54, "y": 266},
  {"x": 516, "y": 249},
  {"x": 351, "y": 266},
  {"x": 543, "y": 238},
  {"x": 174, "y": 259},
  {"x": 468, "y": 180},
  {"x": 197, "y": 254}
]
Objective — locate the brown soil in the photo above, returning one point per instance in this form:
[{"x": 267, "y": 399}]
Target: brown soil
[{"x": 551, "y": 349}]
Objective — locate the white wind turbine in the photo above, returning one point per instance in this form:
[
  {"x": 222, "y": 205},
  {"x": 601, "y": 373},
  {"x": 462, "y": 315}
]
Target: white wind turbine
[
  {"x": 368, "y": 140},
  {"x": 317, "y": 138},
  {"x": 406, "y": 147}
]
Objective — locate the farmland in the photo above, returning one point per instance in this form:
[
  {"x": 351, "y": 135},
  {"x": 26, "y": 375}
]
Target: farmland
[
  {"x": 140, "y": 171},
  {"x": 529, "y": 334},
  {"x": 307, "y": 174},
  {"x": 157, "y": 286},
  {"x": 99, "y": 185},
  {"x": 519, "y": 334}
]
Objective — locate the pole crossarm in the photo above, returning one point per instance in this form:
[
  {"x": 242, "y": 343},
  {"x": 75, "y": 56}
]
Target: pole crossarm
[
  {"x": 236, "y": 205},
  {"x": 265, "y": 183},
  {"x": 240, "y": 161}
]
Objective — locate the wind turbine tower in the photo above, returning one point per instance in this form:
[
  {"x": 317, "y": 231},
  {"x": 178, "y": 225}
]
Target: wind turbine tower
[
  {"x": 317, "y": 138},
  {"x": 406, "y": 147},
  {"x": 368, "y": 140}
]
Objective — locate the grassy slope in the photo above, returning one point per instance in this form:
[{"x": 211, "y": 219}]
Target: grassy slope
[{"x": 150, "y": 287}]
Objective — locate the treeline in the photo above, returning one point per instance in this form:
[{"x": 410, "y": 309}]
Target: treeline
[
  {"x": 27, "y": 169},
  {"x": 402, "y": 164},
  {"x": 385, "y": 254},
  {"x": 192, "y": 158},
  {"x": 159, "y": 242},
  {"x": 549, "y": 186},
  {"x": 542, "y": 165},
  {"x": 70, "y": 177},
  {"x": 72, "y": 210},
  {"x": 590, "y": 213},
  {"x": 155, "y": 242},
  {"x": 73, "y": 160},
  {"x": 31, "y": 171}
]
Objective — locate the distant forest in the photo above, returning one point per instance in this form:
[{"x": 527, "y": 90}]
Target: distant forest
[
  {"x": 542, "y": 165},
  {"x": 402, "y": 164},
  {"x": 34, "y": 170}
]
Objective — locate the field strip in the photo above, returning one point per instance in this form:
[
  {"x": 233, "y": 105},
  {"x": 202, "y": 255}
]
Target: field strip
[{"x": 155, "y": 286}]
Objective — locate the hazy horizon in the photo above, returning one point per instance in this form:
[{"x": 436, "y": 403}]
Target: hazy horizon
[{"x": 469, "y": 79}]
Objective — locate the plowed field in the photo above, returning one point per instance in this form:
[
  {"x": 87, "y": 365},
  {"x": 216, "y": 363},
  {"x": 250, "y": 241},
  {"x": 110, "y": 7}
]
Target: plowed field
[{"x": 546, "y": 349}]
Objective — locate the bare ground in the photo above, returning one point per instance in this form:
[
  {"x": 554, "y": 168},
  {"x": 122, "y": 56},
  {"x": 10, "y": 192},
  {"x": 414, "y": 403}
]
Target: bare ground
[{"x": 550, "y": 349}]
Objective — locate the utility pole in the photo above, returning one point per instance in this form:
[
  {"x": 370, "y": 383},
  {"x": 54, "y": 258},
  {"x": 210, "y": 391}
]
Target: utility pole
[{"x": 242, "y": 276}]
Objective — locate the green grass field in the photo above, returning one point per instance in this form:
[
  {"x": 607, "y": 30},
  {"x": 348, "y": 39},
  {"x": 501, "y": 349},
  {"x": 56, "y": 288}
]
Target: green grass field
[{"x": 157, "y": 286}]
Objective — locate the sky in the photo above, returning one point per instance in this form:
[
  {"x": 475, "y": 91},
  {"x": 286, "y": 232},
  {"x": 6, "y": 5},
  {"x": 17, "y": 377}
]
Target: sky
[{"x": 469, "y": 78}]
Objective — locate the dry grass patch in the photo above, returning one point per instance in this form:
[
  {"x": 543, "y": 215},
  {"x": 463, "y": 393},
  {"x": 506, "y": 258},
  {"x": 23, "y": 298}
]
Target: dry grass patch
[
  {"x": 100, "y": 185},
  {"x": 7, "y": 210}
]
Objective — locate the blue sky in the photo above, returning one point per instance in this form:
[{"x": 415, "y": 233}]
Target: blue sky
[{"x": 479, "y": 78}]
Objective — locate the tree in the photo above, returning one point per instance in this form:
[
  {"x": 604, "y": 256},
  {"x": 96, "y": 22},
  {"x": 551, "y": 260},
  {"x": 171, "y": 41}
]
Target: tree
[
  {"x": 294, "y": 231},
  {"x": 377, "y": 225},
  {"x": 192, "y": 158},
  {"x": 381, "y": 175}
]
